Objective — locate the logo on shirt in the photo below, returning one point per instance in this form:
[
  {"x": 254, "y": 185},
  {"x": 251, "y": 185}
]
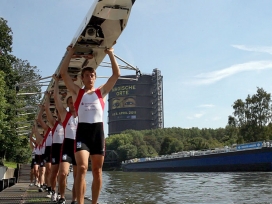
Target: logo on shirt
[
  {"x": 64, "y": 157},
  {"x": 41, "y": 163},
  {"x": 53, "y": 160},
  {"x": 78, "y": 145}
]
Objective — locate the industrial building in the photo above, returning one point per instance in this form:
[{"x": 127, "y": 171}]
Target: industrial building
[{"x": 136, "y": 105}]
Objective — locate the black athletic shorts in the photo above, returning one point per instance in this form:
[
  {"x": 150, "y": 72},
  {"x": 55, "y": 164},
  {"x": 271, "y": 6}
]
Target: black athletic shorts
[
  {"x": 36, "y": 160},
  {"x": 47, "y": 154},
  {"x": 32, "y": 163},
  {"x": 68, "y": 151},
  {"x": 41, "y": 162},
  {"x": 55, "y": 153},
  {"x": 90, "y": 137}
]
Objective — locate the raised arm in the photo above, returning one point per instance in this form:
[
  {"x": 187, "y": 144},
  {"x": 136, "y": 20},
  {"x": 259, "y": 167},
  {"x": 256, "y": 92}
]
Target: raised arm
[
  {"x": 58, "y": 102},
  {"x": 31, "y": 140},
  {"x": 37, "y": 134},
  {"x": 49, "y": 114},
  {"x": 40, "y": 120},
  {"x": 71, "y": 86},
  {"x": 32, "y": 143},
  {"x": 106, "y": 88}
]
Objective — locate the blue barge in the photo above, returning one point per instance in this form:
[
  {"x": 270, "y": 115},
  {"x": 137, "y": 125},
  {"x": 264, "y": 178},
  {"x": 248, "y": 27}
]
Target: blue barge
[{"x": 245, "y": 157}]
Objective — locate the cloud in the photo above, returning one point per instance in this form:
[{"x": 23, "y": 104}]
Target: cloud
[
  {"x": 197, "y": 115},
  {"x": 264, "y": 49},
  {"x": 216, "y": 118},
  {"x": 206, "y": 106},
  {"x": 214, "y": 76}
]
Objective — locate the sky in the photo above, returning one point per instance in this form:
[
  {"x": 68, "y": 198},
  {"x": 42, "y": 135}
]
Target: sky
[{"x": 210, "y": 53}]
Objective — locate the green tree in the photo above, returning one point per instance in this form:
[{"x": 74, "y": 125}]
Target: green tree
[
  {"x": 152, "y": 141},
  {"x": 126, "y": 152},
  {"x": 15, "y": 71},
  {"x": 142, "y": 151},
  {"x": 199, "y": 143},
  {"x": 5, "y": 37},
  {"x": 27, "y": 73},
  {"x": 252, "y": 116},
  {"x": 2, "y": 114},
  {"x": 10, "y": 78},
  {"x": 138, "y": 137},
  {"x": 170, "y": 145},
  {"x": 3, "y": 103},
  {"x": 176, "y": 146},
  {"x": 115, "y": 141},
  {"x": 151, "y": 151}
]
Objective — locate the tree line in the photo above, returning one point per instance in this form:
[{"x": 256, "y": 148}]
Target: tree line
[
  {"x": 14, "y": 143},
  {"x": 250, "y": 122}
]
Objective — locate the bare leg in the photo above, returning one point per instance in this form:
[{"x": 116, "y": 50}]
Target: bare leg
[
  {"x": 74, "y": 197},
  {"x": 36, "y": 173},
  {"x": 48, "y": 173},
  {"x": 82, "y": 167},
  {"x": 97, "y": 163},
  {"x": 63, "y": 172},
  {"x": 54, "y": 174},
  {"x": 31, "y": 175},
  {"x": 41, "y": 175}
]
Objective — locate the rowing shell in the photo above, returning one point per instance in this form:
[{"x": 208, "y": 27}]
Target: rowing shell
[{"x": 100, "y": 29}]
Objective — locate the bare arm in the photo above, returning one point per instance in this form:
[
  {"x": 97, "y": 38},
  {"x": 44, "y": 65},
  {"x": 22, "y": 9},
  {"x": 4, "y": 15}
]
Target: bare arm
[
  {"x": 34, "y": 139},
  {"x": 32, "y": 143},
  {"x": 71, "y": 86},
  {"x": 106, "y": 88},
  {"x": 58, "y": 102},
  {"x": 37, "y": 134},
  {"x": 31, "y": 139},
  {"x": 32, "y": 146},
  {"x": 40, "y": 120},
  {"x": 49, "y": 114}
]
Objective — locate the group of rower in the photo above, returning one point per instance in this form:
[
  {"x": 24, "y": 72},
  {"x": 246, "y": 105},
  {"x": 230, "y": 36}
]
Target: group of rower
[{"x": 74, "y": 136}]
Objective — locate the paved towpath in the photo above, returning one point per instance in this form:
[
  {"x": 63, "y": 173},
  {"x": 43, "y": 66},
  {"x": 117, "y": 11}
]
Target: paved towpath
[{"x": 22, "y": 193}]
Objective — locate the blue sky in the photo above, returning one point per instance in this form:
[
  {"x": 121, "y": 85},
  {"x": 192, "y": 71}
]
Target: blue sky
[{"x": 210, "y": 53}]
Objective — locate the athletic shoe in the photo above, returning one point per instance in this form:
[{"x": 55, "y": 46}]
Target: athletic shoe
[
  {"x": 49, "y": 189},
  {"x": 58, "y": 197},
  {"x": 31, "y": 184},
  {"x": 61, "y": 201},
  {"x": 49, "y": 194},
  {"x": 44, "y": 187},
  {"x": 74, "y": 202},
  {"x": 54, "y": 196},
  {"x": 41, "y": 189}
]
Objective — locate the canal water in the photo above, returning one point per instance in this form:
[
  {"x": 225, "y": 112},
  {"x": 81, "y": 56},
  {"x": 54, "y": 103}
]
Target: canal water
[{"x": 182, "y": 188}]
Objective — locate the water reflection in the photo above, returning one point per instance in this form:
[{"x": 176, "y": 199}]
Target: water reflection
[
  {"x": 133, "y": 188},
  {"x": 177, "y": 188},
  {"x": 255, "y": 187}
]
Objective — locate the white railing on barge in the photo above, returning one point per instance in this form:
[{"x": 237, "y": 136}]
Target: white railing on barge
[{"x": 192, "y": 153}]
